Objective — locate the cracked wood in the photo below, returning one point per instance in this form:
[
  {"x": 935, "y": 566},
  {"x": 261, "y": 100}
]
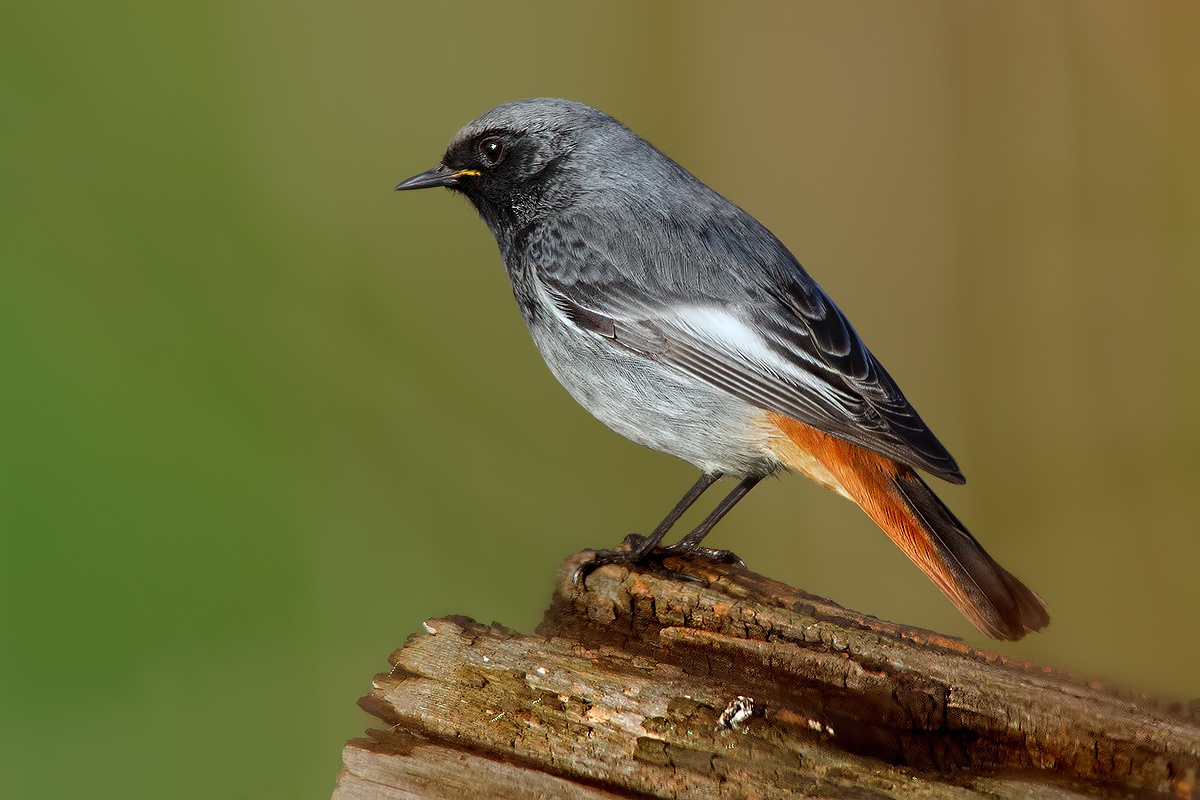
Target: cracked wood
[{"x": 630, "y": 685}]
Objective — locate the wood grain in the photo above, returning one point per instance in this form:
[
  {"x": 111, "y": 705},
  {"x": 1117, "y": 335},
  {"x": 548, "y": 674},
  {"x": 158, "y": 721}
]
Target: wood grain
[{"x": 621, "y": 692}]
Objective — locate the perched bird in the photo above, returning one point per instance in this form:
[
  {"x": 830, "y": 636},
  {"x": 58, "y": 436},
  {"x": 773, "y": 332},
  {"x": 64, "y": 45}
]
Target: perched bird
[{"x": 683, "y": 324}]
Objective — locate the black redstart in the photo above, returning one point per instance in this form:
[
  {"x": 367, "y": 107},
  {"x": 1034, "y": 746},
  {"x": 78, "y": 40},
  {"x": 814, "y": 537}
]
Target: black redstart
[{"x": 683, "y": 324}]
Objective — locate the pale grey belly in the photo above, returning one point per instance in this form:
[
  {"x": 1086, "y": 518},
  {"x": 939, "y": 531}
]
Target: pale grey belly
[{"x": 654, "y": 405}]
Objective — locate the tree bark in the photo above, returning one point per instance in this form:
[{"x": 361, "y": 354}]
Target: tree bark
[{"x": 730, "y": 685}]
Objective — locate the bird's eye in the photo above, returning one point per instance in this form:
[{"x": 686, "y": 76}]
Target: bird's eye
[{"x": 491, "y": 150}]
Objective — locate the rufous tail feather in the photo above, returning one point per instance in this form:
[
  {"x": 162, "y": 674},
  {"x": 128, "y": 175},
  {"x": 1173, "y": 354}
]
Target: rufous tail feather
[{"x": 908, "y": 511}]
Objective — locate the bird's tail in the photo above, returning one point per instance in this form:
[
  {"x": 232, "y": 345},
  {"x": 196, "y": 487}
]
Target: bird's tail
[{"x": 915, "y": 519}]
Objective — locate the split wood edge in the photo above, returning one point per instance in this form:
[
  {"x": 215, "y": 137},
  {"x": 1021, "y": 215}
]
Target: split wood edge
[{"x": 631, "y": 688}]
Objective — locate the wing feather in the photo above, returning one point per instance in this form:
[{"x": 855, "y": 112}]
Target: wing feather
[{"x": 750, "y": 322}]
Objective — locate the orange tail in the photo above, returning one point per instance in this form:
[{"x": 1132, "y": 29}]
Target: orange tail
[{"x": 912, "y": 515}]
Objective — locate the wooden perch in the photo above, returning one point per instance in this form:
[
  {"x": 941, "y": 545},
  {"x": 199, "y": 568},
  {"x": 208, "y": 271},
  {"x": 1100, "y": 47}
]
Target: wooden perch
[{"x": 735, "y": 686}]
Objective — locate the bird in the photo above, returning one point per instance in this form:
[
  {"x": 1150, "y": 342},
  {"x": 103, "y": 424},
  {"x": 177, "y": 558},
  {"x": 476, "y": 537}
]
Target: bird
[{"x": 680, "y": 322}]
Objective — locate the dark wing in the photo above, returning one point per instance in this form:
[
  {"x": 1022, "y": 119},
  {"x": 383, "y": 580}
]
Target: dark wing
[{"x": 743, "y": 315}]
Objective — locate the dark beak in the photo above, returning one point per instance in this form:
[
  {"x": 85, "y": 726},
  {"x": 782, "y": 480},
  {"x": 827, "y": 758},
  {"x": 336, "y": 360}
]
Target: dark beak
[{"x": 441, "y": 175}]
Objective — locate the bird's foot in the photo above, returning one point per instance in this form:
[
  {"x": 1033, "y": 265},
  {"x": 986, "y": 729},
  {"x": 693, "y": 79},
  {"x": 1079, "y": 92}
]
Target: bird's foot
[
  {"x": 687, "y": 550},
  {"x": 634, "y": 550},
  {"x": 637, "y": 549}
]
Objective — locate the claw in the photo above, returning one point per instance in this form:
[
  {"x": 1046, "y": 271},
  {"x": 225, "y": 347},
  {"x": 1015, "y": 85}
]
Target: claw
[
  {"x": 652, "y": 560},
  {"x": 719, "y": 556},
  {"x": 601, "y": 558}
]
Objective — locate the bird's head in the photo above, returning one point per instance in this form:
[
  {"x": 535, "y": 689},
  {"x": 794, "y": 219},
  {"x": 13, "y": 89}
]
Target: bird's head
[{"x": 528, "y": 159}]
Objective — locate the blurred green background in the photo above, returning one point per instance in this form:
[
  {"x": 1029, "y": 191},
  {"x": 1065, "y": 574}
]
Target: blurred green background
[{"x": 259, "y": 416}]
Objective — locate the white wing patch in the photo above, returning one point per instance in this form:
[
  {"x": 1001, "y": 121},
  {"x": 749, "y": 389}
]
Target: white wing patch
[
  {"x": 723, "y": 330},
  {"x": 716, "y": 345}
]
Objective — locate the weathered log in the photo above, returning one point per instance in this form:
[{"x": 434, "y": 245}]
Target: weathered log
[{"x": 730, "y": 685}]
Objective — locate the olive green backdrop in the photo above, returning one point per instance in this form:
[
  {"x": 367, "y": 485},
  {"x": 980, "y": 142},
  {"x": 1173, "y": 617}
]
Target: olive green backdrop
[{"x": 259, "y": 416}]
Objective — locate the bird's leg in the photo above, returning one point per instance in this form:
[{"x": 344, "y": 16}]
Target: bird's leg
[
  {"x": 644, "y": 545},
  {"x": 641, "y": 546},
  {"x": 690, "y": 544}
]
